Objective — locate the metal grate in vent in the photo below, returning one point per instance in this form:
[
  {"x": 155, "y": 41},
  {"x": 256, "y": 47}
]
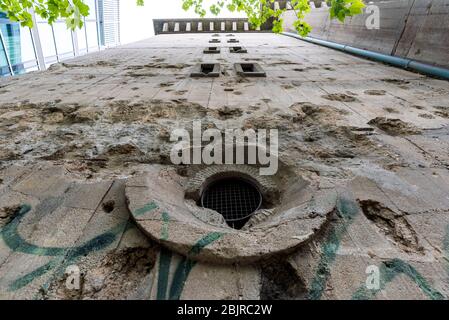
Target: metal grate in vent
[{"x": 235, "y": 198}]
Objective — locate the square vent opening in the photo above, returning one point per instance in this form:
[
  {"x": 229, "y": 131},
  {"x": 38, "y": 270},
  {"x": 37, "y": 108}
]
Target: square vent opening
[
  {"x": 249, "y": 70},
  {"x": 206, "y": 70},
  {"x": 210, "y": 50},
  {"x": 237, "y": 50}
]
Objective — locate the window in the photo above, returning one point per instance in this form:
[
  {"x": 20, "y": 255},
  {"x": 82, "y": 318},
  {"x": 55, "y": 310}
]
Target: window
[
  {"x": 20, "y": 47},
  {"x": 17, "y": 51}
]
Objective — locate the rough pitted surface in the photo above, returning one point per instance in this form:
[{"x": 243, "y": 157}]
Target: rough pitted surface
[{"x": 363, "y": 176}]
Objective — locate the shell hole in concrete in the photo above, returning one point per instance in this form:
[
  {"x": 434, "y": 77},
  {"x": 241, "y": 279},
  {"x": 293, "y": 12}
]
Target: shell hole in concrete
[
  {"x": 206, "y": 70},
  {"x": 236, "y": 199}
]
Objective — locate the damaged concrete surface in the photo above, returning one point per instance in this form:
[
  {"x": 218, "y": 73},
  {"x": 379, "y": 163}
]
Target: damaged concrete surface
[{"x": 73, "y": 136}]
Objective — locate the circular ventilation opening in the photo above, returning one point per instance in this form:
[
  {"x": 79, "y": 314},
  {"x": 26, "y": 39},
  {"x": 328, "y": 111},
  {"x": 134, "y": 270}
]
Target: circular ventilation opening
[{"x": 235, "y": 198}]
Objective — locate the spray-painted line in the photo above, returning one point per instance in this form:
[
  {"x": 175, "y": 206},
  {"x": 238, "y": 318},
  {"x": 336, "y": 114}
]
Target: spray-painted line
[
  {"x": 185, "y": 266},
  {"x": 165, "y": 257},
  {"x": 29, "y": 277},
  {"x": 16, "y": 243},
  {"x": 390, "y": 269},
  {"x": 146, "y": 208},
  {"x": 165, "y": 223},
  {"x": 404, "y": 63},
  {"x": 388, "y": 272},
  {"x": 347, "y": 209},
  {"x": 182, "y": 270},
  {"x": 446, "y": 247}
]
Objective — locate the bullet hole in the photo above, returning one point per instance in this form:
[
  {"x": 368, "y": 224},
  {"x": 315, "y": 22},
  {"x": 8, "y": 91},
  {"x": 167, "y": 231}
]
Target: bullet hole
[{"x": 108, "y": 206}]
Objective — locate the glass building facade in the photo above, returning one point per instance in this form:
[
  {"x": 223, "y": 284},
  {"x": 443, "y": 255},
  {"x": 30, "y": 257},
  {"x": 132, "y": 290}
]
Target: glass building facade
[{"x": 24, "y": 49}]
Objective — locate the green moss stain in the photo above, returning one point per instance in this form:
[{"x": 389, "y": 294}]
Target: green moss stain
[
  {"x": 388, "y": 271},
  {"x": 347, "y": 210}
]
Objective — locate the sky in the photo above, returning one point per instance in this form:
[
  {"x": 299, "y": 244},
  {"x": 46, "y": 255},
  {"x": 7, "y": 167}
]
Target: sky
[{"x": 136, "y": 22}]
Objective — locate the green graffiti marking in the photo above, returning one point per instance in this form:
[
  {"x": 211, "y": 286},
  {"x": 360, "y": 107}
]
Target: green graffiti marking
[
  {"x": 28, "y": 278},
  {"x": 164, "y": 270},
  {"x": 182, "y": 270},
  {"x": 347, "y": 209},
  {"x": 185, "y": 266},
  {"x": 16, "y": 243},
  {"x": 180, "y": 277},
  {"x": 165, "y": 221},
  {"x": 446, "y": 247},
  {"x": 388, "y": 271},
  {"x": 145, "y": 209}
]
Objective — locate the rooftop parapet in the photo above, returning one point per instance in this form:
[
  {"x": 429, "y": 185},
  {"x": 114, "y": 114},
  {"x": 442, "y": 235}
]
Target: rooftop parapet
[{"x": 225, "y": 25}]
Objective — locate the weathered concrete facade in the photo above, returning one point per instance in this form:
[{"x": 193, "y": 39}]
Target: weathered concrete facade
[
  {"x": 412, "y": 29},
  {"x": 86, "y": 177}
]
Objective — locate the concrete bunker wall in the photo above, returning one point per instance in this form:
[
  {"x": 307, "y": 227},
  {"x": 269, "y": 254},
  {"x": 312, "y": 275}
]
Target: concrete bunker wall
[{"x": 410, "y": 29}]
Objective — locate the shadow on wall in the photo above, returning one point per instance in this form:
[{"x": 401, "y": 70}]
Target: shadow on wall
[{"x": 404, "y": 29}]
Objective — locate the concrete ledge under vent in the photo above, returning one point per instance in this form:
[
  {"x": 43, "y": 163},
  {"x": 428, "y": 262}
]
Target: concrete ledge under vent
[{"x": 249, "y": 69}]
